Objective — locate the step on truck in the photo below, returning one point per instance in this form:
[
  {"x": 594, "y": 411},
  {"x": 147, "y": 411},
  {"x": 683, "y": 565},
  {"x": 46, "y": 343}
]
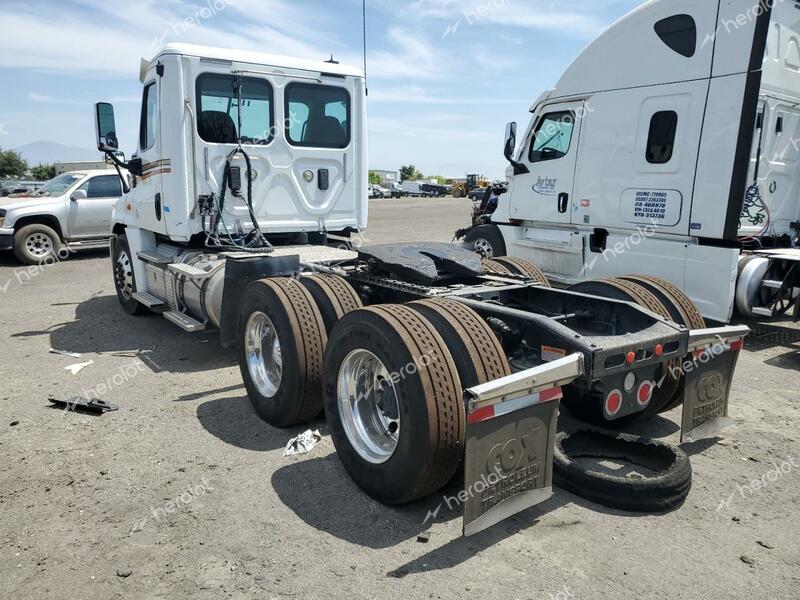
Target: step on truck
[
  {"x": 250, "y": 179},
  {"x": 670, "y": 147}
]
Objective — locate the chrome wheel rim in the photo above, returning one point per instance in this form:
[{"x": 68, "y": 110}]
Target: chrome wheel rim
[
  {"x": 368, "y": 406},
  {"x": 39, "y": 245},
  {"x": 123, "y": 275},
  {"x": 264, "y": 358},
  {"x": 483, "y": 247}
]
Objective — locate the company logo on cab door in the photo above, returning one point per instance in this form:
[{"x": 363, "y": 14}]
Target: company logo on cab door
[
  {"x": 159, "y": 167},
  {"x": 546, "y": 186}
]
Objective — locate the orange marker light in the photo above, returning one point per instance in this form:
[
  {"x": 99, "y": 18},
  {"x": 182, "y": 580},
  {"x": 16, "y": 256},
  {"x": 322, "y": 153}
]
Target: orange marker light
[
  {"x": 659, "y": 350},
  {"x": 631, "y": 357}
]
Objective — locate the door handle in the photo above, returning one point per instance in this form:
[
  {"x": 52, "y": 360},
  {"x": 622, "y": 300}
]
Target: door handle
[
  {"x": 563, "y": 202},
  {"x": 158, "y": 206}
]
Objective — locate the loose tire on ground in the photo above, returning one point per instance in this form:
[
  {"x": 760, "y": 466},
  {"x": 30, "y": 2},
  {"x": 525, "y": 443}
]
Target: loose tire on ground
[
  {"x": 36, "y": 244},
  {"x": 477, "y": 352},
  {"x": 486, "y": 240},
  {"x": 334, "y": 296},
  {"x": 390, "y": 365},
  {"x": 662, "y": 491},
  {"x": 282, "y": 342},
  {"x": 503, "y": 265},
  {"x": 125, "y": 278}
]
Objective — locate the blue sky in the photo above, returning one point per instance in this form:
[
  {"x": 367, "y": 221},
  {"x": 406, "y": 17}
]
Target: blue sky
[{"x": 445, "y": 75}]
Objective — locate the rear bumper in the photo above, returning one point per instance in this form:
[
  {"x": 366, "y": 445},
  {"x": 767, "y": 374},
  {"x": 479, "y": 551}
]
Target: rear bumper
[{"x": 6, "y": 239}]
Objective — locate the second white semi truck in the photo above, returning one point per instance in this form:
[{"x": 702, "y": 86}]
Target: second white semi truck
[{"x": 670, "y": 147}]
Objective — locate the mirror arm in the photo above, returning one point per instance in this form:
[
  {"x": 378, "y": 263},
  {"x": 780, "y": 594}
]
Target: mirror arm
[
  {"x": 519, "y": 168},
  {"x": 117, "y": 164}
]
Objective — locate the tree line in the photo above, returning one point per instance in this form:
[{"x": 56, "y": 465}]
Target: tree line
[{"x": 13, "y": 166}]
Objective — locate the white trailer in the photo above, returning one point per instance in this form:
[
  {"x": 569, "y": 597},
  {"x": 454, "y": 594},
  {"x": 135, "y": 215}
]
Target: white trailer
[
  {"x": 421, "y": 355},
  {"x": 670, "y": 147}
]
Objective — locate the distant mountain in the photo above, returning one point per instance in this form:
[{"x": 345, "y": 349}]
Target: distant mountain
[{"x": 49, "y": 152}]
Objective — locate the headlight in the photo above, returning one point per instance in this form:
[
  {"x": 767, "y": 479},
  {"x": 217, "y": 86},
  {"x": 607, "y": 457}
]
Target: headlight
[{"x": 2, "y": 217}]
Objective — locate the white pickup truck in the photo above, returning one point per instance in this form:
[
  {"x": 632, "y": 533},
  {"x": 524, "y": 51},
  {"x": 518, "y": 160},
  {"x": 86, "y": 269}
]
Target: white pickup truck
[{"x": 71, "y": 212}]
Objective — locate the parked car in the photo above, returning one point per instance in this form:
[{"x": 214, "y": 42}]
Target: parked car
[
  {"x": 477, "y": 194},
  {"x": 377, "y": 191},
  {"x": 396, "y": 190},
  {"x": 70, "y": 212}
]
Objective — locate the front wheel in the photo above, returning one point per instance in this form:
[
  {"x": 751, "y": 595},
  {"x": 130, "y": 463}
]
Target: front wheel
[
  {"x": 486, "y": 240},
  {"x": 37, "y": 244},
  {"x": 124, "y": 278}
]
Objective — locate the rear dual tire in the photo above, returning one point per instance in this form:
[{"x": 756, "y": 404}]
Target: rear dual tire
[
  {"x": 281, "y": 351},
  {"x": 393, "y": 403},
  {"x": 509, "y": 265}
]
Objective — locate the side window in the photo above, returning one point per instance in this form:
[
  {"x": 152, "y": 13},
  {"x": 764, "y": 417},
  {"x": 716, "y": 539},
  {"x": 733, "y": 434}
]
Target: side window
[
  {"x": 679, "y": 33},
  {"x": 553, "y": 136},
  {"x": 148, "y": 128},
  {"x": 105, "y": 186},
  {"x": 218, "y": 99},
  {"x": 318, "y": 116},
  {"x": 661, "y": 139}
]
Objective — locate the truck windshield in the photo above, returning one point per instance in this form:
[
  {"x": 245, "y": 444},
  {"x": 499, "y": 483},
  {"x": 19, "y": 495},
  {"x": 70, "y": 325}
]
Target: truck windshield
[
  {"x": 59, "y": 185},
  {"x": 218, "y": 120}
]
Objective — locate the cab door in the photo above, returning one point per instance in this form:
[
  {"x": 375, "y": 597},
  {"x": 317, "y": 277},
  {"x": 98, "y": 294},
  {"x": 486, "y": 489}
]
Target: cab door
[
  {"x": 545, "y": 194},
  {"x": 148, "y": 200}
]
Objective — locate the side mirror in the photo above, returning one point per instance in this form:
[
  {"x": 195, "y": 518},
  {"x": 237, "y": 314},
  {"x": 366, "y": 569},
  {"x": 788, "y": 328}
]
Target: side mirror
[
  {"x": 105, "y": 127},
  {"x": 511, "y": 141},
  {"x": 510, "y": 147},
  {"x": 78, "y": 195}
]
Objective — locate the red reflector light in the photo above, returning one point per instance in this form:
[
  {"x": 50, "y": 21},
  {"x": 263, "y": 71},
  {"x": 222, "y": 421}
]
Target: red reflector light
[
  {"x": 631, "y": 358},
  {"x": 659, "y": 350},
  {"x": 737, "y": 345},
  {"x": 613, "y": 402},
  {"x": 645, "y": 393}
]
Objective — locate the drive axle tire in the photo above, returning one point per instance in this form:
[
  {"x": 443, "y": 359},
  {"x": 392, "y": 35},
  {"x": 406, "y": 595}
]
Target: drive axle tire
[
  {"x": 282, "y": 343},
  {"x": 589, "y": 408},
  {"x": 666, "y": 490},
  {"x": 683, "y": 310},
  {"x": 486, "y": 240},
  {"x": 125, "y": 278},
  {"x": 393, "y": 402},
  {"x": 36, "y": 244},
  {"x": 516, "y": 266},
  {"x": 334, "y": 296},
  {"x": 477, "y": 352}
]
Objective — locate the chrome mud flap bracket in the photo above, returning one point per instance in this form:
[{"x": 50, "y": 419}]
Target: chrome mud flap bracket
[
  {"x": 511, "y": 428},
  {"x": 708, "y": 371}
]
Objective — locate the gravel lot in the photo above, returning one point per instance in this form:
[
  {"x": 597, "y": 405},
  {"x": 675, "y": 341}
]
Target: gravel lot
[{"x": 183, "y": 493}]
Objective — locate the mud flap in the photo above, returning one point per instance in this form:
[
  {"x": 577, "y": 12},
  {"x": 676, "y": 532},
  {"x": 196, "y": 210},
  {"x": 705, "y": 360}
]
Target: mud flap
[
  {"x": 707, "y": 387},
  {"x": 511, "y": 429}
]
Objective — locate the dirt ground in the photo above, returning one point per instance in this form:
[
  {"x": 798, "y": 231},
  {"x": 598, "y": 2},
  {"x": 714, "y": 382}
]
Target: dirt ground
[{"x": 184, "y": 493}]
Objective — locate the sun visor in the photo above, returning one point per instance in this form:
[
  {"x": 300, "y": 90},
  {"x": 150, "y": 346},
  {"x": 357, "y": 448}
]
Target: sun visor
[{"x": 143, "y": 68}]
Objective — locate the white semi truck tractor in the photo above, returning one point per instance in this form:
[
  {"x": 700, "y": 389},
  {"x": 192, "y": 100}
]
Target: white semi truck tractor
[
  {"x": 669, "y": 148},
  {"x": 251, "y": 170}
]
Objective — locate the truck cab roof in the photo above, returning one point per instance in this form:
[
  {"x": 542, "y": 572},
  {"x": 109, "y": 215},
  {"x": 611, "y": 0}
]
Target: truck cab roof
[{"x": 255, "y": 58}]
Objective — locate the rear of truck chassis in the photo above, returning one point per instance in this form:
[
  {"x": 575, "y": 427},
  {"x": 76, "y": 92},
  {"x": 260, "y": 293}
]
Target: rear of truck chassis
[{"x": 426, "y": 364}]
